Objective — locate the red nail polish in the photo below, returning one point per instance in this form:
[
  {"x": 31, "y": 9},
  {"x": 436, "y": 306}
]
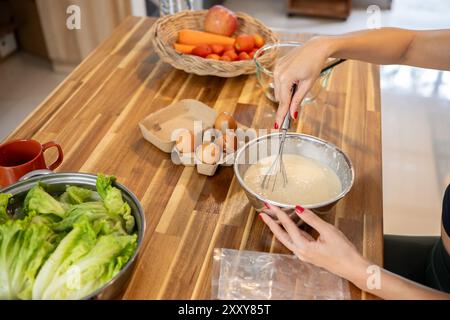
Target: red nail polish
[
  {"x": 276, "y": 125},
  {"x": 260, "y": 217},
  {"x": 299, "y": 209},
  {"x": 266, "y": 205},
  {"x": 295, "y": 115}
]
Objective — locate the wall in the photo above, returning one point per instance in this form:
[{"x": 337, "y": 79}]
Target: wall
[{"x": 68, "y": 47}]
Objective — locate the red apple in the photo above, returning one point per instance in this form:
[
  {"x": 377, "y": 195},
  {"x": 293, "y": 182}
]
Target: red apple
[{"x": 220, "y": 20}]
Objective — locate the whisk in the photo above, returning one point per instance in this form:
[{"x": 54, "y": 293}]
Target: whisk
[{"x": 277, "y": 167}]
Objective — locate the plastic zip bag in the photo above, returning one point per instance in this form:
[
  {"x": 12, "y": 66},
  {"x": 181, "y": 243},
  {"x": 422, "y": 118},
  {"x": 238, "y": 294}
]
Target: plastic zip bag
[{"x": 249, "y": 275}]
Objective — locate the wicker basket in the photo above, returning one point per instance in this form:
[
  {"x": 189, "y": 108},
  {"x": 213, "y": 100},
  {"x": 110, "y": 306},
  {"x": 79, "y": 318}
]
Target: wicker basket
[{"x": 165, "y": 34}]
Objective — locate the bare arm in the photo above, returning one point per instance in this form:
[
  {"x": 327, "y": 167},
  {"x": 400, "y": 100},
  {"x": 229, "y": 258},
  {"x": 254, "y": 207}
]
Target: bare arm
[
  {"x": 334, "y": 252},
  {"x": 394, "y": 287},
  {"x": 429, "y": 49}
]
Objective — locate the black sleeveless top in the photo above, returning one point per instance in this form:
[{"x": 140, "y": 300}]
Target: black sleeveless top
[
  {"x": 446, "y": 211},
  {"x": 438, "y": 267}
]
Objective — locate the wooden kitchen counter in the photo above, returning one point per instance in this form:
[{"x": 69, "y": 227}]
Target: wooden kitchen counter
[{"x": 94, "y": 115}]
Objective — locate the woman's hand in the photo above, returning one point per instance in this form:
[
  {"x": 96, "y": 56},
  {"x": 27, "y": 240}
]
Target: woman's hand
[
  {"x": 331, "y": 251},
  {"x": 301, "y": 66}
]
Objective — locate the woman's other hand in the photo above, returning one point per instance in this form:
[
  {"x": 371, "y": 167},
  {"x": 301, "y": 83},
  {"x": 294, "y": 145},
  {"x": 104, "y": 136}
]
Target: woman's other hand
[{"x": 331, "y": 250}]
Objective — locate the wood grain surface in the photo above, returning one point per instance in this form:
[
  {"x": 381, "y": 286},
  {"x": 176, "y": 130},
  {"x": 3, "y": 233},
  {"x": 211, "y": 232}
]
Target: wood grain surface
[{"x": 94, "y": 115}]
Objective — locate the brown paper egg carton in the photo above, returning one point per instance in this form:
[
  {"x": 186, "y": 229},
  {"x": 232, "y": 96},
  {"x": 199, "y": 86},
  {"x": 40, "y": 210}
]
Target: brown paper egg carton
[
  {"x": 191, "y": 159},
  {"x": 158, "y": 129}
]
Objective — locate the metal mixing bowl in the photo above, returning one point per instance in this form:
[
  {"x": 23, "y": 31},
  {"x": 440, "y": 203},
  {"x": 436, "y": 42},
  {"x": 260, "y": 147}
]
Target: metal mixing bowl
[
  {"x": 56, "y": 184},
  {"x": 301, "y": 144}
]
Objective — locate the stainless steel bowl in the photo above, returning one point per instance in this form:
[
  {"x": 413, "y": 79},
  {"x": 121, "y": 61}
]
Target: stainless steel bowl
[
  {"x": 301, "y": 144},
  {"x": 57, "y": 183}
]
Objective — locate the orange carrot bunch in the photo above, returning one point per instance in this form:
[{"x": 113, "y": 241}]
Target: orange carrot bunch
[{"x": 210, "y": 45}]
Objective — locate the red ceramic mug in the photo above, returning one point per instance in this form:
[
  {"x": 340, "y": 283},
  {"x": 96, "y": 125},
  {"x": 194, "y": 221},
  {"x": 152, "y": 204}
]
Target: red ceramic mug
[{"x": 19, "y": 157}]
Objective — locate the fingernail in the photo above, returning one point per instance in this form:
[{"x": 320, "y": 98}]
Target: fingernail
[
  {"x": 260, "y": 216},
  {"x": 295, "y": 115},
  {"x": 275, "y": 125},
  {"x": 299, "y": 209},
  {"x": 266, "y": 205}
]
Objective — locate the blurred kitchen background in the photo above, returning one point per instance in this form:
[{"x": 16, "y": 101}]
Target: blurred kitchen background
[{"x": 37, "y": 51}]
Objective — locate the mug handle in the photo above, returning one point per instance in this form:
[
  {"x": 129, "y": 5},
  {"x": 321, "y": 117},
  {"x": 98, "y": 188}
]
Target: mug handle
[{"x": 58, "y": 161}]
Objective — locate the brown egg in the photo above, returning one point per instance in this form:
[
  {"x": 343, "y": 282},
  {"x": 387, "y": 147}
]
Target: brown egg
[
  {"x": 208, "y": 153},
  {"x": 185, "y": 141},
  {"x": 225, "y": 121},
  {"x": 228, "y": 142}
]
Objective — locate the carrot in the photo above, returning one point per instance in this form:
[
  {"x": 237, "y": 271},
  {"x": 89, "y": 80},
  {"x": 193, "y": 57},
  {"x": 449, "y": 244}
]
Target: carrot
[
  {"x": 183, "y": 48},
  {"x": 193, "y": 37}
]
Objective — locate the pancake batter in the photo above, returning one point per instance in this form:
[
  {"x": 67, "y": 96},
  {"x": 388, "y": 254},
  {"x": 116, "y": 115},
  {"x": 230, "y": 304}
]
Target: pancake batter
[{"x": 309, "y": 181}]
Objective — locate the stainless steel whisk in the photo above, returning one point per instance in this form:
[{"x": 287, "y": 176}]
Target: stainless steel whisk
[{"x": 278, "y": 166}]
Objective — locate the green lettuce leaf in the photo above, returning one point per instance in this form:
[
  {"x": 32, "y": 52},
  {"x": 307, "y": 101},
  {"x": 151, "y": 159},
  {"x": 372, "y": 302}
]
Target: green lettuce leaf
[
  {"x": 103, "y": 184},
  {"x": 115, "y": 205},
  {"x": 82, "y": 263},
  {"x": 74, "y": 245},
  {"x": 103, "y": 221},
  {"x": 48, "y": 220},
  {"x": 42, "y": 203},
  {"x": 24, "y": 246},
  {"x": 4, "y": 200},
  {"x": 76, "y": 195},
  {"x": 113, "y": 200}
]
